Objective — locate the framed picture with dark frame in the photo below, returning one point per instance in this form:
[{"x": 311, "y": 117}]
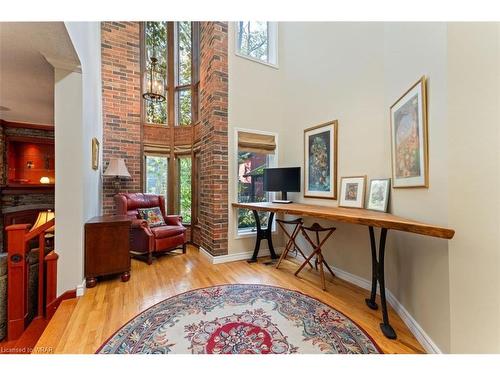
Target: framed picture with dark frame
[
  {"x": 378, "y": 194},
  {"x": 409, "y": 138},
  {"x": 352, "y": 191},
  {"x": 320, "y": 161}
]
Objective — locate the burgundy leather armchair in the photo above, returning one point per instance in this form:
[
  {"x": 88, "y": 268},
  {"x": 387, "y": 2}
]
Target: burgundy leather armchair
[{"x": 145, "y": 240}]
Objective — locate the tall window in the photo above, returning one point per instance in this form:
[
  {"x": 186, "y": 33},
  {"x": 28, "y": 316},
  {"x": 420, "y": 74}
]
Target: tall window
[
  {"x": 175, "y": 45},
  {"x": 257, "y": 41},
  {"x": 184, "y": 168},
  {"x": 255, "y": 152},
  {"x": 156, "y": 174},
  {"x": 155, "y": 44}
]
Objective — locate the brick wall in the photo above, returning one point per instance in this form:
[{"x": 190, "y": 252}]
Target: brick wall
[
  {"x": 214, "y": 141},
  {"x": 123, "y": 132},
  {"x": 121, "y": 94}
]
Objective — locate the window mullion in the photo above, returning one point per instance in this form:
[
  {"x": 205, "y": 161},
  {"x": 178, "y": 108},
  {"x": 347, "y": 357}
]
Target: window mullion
[{"x": 194, "y": 70}]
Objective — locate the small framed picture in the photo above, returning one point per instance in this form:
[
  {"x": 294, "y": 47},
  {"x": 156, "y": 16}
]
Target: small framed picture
[
  {"x": 95, "y": 154},
  {"x": 352, "y": 191},
  {"x": 378, "y": 196},
  {"x": 409, "y": 139}
]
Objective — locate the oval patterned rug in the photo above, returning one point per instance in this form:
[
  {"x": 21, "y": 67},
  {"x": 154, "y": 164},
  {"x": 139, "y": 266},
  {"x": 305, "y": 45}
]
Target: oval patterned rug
[{"x": 240, "y": 319}]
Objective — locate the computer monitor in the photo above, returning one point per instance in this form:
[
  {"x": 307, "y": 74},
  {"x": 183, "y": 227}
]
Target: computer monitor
[{"x": 282, "y": 179}]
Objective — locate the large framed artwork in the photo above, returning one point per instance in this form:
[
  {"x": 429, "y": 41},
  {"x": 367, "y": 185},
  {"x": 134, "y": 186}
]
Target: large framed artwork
[
  {"x": 410, "y": 164},
  {"x": 320, "y": 161}
]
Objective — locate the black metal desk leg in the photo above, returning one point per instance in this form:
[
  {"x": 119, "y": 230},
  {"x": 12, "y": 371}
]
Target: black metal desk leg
[
  {"x": 385, "y": 326},
  {"x": 261, "y": 235},
  {"x": 371, "y": 302},
  {"x": 269, "y": 236},
  {"x": 378, "y": 274}
]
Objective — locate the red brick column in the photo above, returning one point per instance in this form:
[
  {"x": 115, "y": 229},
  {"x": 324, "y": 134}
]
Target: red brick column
[
  {"x": 213, "y": 216},
  {"x": 121, "y": 93}
]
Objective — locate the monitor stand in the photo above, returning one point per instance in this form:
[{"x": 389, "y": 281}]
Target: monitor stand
[{"x": 283, "y": 199}]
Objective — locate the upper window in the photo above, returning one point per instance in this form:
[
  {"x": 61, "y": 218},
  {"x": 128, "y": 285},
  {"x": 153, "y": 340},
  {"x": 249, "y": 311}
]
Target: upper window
[
  {"x": 175, "y": 45},
  {"x": 257, "y": 41}
]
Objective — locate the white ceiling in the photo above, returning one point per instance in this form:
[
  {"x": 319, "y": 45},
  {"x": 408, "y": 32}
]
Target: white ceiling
[{"x": 26, "y": 77}]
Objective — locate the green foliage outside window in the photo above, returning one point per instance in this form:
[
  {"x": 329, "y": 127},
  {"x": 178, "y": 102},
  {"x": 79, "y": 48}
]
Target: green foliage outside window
[
  {"x": 156, "y": 41},
  {"x": 185, "y": 188},
  {"x": 156, "y": 175},
  {"x": 184, "y": 73},
  {"x": 184, "y": 53},
  {"x": 156, "y": 44}
]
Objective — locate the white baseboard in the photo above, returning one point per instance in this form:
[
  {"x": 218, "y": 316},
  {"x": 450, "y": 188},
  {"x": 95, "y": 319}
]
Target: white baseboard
[
  {"x": 245, "y": 255},
  {"x": 415, "y": 328},
  {"x": 80, "y": 289}
]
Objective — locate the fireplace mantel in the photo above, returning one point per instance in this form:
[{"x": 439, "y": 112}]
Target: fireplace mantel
[{"x": 27, "y": 189}]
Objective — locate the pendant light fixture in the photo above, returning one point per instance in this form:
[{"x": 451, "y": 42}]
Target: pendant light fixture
[{"x": 154, "y": 82}]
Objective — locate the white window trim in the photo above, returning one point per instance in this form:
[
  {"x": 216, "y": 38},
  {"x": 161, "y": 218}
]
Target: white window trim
[
  {"x": 245, "y": 234},
  {"x": 272, "y": 31}
]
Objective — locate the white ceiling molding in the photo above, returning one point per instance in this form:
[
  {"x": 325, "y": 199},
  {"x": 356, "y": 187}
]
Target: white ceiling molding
[{"x": 68, "y": 65}]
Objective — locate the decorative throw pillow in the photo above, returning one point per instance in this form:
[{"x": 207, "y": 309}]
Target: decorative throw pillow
[{"x": 152, "y": 215}]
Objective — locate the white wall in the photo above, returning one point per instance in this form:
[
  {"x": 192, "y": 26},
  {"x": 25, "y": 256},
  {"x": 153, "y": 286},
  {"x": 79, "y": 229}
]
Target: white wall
[
  {"x": 250, "y": 109},
  {"x": 86, "y": 37},
  {"x": 78, "y": 118},
  {"x": 418, "y": 272},
  {"x": 354, "y": 72},
  {"x": 360, "y": 69},
  {"x": 69, "y": 178},
  {"x": 335, "y": 71},
  {"x": 474, "y": 186}
]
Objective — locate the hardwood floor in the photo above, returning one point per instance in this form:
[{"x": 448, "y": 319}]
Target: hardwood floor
[{"x": 81, "y": 326}]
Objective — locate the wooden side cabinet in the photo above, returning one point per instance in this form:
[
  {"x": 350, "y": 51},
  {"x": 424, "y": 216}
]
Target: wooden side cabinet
[{"x": 107, "y": 248}]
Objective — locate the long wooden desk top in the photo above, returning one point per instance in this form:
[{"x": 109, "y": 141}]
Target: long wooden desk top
[{"x": 352, "y": 215}]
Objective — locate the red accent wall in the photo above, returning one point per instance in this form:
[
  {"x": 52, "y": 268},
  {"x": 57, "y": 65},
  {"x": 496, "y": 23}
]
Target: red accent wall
[{"x": 38, "y": 155}]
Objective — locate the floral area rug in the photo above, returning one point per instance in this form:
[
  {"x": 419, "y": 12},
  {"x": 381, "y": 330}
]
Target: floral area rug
[{"x": 240, "y": 319}]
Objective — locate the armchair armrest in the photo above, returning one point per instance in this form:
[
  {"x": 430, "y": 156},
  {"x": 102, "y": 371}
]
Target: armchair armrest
[
  {"x": 141, "y": 224},
  {"x": 138, "y": 223},
  {"x": 173, "y": 219}
]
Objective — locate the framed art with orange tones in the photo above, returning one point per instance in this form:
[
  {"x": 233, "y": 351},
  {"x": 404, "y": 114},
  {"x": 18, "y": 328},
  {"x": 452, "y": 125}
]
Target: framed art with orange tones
[{"x": 409, "y": 139}]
